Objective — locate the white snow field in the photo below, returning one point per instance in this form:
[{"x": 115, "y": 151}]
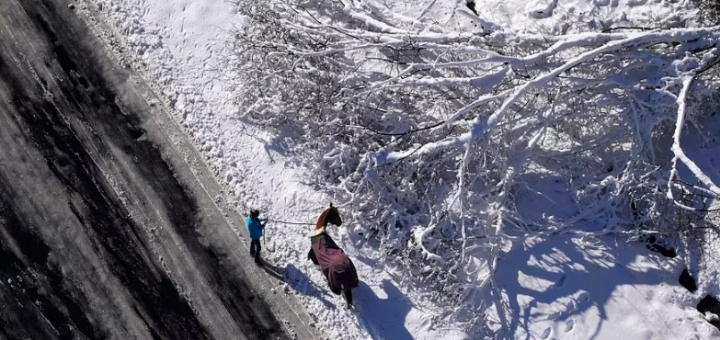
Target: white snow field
[{"x": 549, "y": 260}]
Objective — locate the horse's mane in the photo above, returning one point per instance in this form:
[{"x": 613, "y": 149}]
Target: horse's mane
[{"x": 322, "y": 220}]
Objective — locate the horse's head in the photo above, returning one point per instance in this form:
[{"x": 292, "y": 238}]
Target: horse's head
[
  {"x": 330, "y": 215},
  {"x": 333, "y": 216}
]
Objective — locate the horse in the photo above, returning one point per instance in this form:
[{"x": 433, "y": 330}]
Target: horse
[{"x": 336, "y": 266}]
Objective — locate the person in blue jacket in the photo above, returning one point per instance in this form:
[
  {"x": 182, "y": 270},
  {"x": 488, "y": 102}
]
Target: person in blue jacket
[{"x": 256, "y": 226}]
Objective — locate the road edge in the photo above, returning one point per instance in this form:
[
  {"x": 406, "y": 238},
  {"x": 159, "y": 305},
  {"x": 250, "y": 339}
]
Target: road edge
[{"x": 292, "y": 316}]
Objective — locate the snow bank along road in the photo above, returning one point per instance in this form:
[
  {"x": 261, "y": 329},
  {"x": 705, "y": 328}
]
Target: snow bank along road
[{"x": 104, "y": 230}]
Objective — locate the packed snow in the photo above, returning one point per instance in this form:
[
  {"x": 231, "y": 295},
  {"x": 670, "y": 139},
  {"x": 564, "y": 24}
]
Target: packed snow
[{"x": 572, "y": 274}]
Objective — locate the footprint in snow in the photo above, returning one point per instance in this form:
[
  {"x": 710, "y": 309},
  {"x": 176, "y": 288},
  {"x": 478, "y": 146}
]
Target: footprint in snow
[
  {"x": 554, "y": 315},
  {"x": 569, "y": 325},
  {"x": 575, "y": 303},
  {"x": 546, "y": 333},
  {"x": 560, "y": 282},
  {"x": 583, "y": 297},
  {"x": 570, "y": 307}
]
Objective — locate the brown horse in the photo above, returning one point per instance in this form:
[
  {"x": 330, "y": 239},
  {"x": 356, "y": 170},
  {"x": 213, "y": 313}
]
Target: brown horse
[{"x": 338, "y": 268}]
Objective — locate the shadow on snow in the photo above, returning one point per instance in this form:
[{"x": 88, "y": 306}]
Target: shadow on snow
[{"x": 552, "y": 280}]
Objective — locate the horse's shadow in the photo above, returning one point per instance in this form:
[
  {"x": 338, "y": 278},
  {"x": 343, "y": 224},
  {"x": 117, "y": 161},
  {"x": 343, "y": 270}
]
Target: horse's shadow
[
  {"x": 298, "y": 281},
  {"x": 383, "y": 317}
]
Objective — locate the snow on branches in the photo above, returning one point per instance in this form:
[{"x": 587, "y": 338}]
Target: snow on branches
[{"x": 448, "y": 147}]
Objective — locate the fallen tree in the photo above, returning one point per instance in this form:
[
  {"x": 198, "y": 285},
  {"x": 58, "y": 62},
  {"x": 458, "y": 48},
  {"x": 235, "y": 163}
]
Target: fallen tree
[{"x": 432, "y": 137}]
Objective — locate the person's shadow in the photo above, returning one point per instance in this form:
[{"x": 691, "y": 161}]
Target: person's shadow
[
  {"x": 383, "y": 317},
  {"x": 274, "y": 271}
]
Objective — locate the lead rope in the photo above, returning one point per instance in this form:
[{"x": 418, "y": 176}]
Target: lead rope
[
  {"x": 283, "y": 222},
  {"x": 294, "y": 223}
]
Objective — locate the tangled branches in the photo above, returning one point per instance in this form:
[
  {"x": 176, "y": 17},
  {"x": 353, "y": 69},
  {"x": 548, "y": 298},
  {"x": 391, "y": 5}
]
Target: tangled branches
[{"x": 444, "y": 144}]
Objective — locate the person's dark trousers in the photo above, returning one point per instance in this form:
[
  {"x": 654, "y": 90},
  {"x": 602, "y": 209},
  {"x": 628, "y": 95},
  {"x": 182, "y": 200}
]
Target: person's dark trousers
[{"x": 255, "y": 249}]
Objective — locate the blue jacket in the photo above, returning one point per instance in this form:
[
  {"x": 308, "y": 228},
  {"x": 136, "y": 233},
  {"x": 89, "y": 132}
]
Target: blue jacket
[{"x": 255, "y": 228}]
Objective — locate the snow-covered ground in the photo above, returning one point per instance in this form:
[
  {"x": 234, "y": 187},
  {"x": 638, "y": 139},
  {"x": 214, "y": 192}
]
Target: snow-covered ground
[{"x": 558, "y": 287}]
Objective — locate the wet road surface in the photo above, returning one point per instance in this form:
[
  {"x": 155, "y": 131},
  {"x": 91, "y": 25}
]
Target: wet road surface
[{"x": 99, "y": 236}]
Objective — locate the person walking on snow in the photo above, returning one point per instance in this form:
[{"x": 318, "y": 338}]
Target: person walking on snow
[{"x": 256, "y": 226}]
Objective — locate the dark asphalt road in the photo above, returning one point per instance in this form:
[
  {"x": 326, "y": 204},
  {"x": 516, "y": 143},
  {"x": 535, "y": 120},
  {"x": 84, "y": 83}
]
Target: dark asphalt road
[{"x": 99, "y": 236}]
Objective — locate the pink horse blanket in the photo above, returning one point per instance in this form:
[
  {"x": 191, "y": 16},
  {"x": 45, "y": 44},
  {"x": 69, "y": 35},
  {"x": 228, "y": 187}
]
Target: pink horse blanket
[{"x": 337, "y": 267}]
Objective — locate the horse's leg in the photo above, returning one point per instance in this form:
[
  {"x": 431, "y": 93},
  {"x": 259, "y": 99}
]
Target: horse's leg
[{"x": 347, "y": 294}]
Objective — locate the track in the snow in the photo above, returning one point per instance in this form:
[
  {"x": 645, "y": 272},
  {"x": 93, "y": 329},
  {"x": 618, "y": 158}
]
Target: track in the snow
[{"x": 99, "y": 237}]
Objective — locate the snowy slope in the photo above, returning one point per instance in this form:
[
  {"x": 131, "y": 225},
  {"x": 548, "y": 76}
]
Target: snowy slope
[{"x": 559, "y": 288}]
